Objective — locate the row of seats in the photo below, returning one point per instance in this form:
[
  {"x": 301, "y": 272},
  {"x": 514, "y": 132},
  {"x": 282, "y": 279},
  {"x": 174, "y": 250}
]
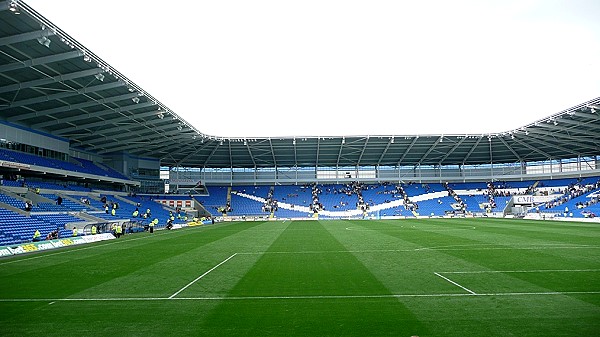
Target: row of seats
[
  {"x": 433, "y": 198},
  {"x": 77, "y": 164}
]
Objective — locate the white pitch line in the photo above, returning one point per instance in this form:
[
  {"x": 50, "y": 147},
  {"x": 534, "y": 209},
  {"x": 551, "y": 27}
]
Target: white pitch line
[
  {"x": 432, "y": 249},
  {"x": 522, "y": 271},
  {"x": 299, "y": 297},
  {"x": 456, "y": 284},
  {"x": 507, "y": 248},
  {"x": 201, "y": 276}
]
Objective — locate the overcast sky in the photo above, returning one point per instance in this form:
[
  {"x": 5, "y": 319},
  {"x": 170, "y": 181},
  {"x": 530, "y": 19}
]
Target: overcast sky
[{"x": 246, "y": 68}]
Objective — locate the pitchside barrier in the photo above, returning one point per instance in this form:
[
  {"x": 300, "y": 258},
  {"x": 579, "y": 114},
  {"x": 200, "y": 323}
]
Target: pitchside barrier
[{"x": 30, "y": 247}]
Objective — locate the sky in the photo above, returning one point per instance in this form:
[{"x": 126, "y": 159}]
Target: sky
[{"x": 270, "y": 68}]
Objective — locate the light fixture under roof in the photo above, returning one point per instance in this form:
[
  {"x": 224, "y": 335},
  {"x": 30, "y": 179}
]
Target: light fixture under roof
[
  {"x": 44, "y": 41},
  {"x": 99, "y": 77},
  {"x": 135, "y": 100},
  {"x": 14, "y": 7}
]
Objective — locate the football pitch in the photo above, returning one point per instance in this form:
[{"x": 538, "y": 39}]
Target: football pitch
[{"x": 425, "y": 277}]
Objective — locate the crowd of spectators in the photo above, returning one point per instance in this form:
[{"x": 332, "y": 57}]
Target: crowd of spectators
[
  {"x": 270, "y": 204},
  {"x": 408, "y": 204},
  {"x": 356, "y": 188},
  {"x": 462, "y": 207},
  {"x": 315, "y": 205},
  {"x": 573, "y": 191}
]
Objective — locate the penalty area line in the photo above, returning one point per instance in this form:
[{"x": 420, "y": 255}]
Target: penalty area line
[
  {"x": 201, "y": 276},
  {"x": 456, "y": 284}
]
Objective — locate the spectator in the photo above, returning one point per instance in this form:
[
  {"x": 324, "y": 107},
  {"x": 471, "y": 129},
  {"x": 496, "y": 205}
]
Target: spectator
[{"x": 36, "y": 235}]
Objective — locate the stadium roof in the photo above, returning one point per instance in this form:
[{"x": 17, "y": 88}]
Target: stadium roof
[{"x": 52, "y": 83}]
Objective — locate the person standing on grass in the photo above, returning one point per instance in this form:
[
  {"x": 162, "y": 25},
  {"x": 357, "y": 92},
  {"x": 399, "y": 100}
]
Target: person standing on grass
[
  {"x": 118, "y": 231},
  {"x": 152, "y": 223}
]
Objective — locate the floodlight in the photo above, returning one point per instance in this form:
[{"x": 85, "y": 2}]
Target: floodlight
[
  {"x": 99, "y": 77},
  {"x": 13, "y": 7},
  {"x": 135, "y": 100},
  {"x": 44, "y": 41}
]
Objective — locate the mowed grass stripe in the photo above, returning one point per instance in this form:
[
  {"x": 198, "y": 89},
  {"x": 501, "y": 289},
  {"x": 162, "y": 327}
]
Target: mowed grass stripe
[
  {"x": 93, "y": 271},
  {"x": 219, "y": 282},
  {"x": 166, "y": 277},
  {"x": 480, "y": 250},
  {"x": 463, "y": 250},
  {"x": 535, "y": 230},
  {"x": 483, "y": 240},
  {"x": 307, "y": 274},
  {"x": 392, "y": 251},
  {"x": 365, "y": 307}
]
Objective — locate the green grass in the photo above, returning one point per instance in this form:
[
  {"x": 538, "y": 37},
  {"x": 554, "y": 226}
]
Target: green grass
[{"x": 437, "y": 277}]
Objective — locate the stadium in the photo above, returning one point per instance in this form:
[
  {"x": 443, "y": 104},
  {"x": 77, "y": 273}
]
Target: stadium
[{"x": 119, "y": 217}]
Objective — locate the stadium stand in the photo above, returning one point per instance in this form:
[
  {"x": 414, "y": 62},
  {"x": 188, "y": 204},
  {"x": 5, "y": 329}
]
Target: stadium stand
[{"x": 579, "y": 196}]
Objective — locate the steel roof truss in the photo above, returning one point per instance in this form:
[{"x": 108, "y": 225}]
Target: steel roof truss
[
  {"x": 55, "y": 79},
  {"x": 13, "y": 39},
  {"x": 40, "y": 60}
]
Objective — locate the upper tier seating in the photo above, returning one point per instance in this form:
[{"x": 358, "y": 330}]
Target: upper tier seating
[{"x": 78, "y": 165}]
